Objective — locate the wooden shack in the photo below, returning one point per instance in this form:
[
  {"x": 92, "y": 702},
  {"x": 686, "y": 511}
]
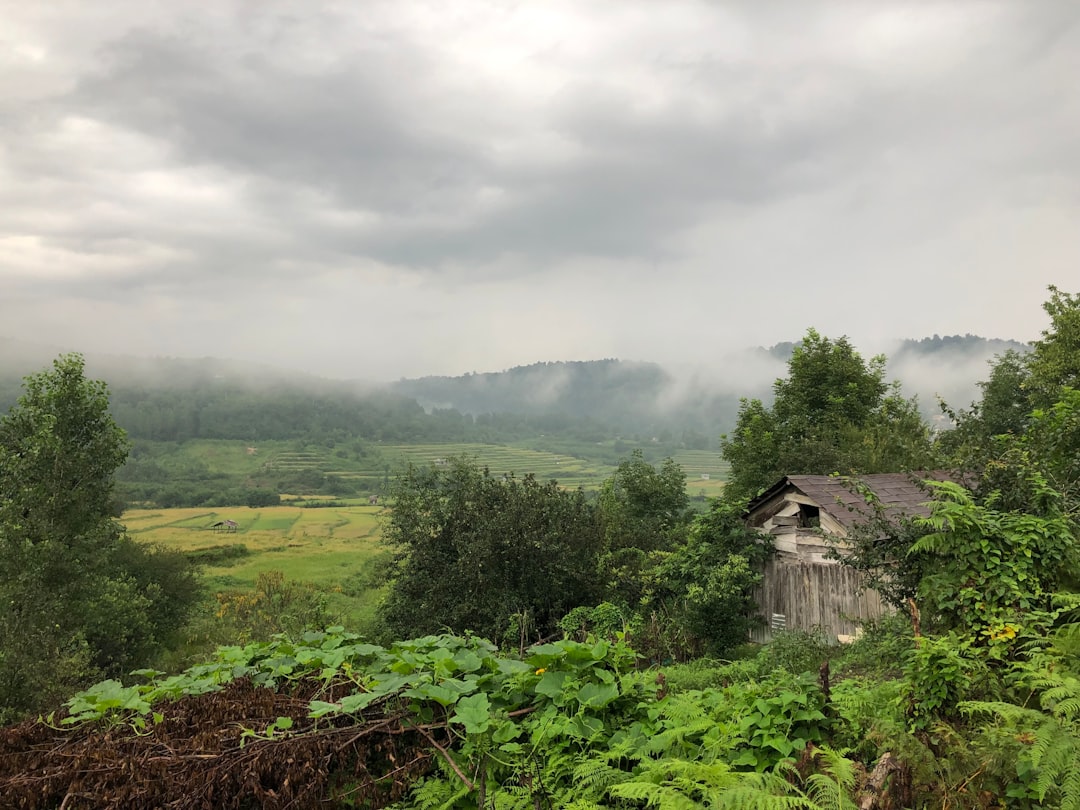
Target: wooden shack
[{"x": 804, "y": 587}]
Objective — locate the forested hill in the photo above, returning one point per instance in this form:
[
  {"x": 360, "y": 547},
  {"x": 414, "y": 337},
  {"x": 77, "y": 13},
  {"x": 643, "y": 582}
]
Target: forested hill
[
  {"x": 560, "y": 387},
  {"x": 177, "y": 399},
  {"x": 647, "y": 396},
  {"x": 635, "y": 397}
]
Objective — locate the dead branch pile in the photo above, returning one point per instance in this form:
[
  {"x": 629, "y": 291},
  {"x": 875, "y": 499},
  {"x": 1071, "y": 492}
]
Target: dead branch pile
[{"x": 199, "y": 757}]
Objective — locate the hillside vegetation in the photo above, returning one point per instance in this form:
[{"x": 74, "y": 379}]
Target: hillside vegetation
[{"x": 567, "y": 648}]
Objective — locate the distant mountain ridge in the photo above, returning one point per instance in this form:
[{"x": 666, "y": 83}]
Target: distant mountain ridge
[
  {"x": 641, "y": 393},
  {"x": 635, "y": 398}
]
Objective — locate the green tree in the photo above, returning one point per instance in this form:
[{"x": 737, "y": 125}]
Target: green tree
[
  {"x": 1054, "y": 362},
  {"x": 641, "y": 506},
  {"x": 1005, "y": 406},
  {"x": 487, "y": 553},
  {"x": 834, "y": 412},
  {"x": 77, "y": 599},
  {"x": 705, "y": 585},
  {"x": 1018, "y": 385},
  {"x": 642, "y": 510}
]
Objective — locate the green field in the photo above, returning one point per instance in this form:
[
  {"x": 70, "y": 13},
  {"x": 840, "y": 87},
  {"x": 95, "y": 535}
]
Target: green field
[
  {"x": 566, "y": 469},
  {"x": 332, "y": 548},
  {"x": 697, "y": 464},
  {"x": 349, "y": 471}
]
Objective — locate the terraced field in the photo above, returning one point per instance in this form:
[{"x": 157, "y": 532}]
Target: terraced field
[
  {"x": 567, "y": 470},
  {"x": 705, "y": 471},
  {"x": 371, "y": 469},
  {"x": 332, "y": 548}
]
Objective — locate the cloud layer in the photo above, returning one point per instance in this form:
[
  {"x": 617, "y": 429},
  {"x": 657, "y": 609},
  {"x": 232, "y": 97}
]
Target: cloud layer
[{"x": 400, "y": 188}]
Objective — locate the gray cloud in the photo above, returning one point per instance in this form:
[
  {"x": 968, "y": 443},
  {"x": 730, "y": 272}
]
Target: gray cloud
[{"x": 405, "y": 187}]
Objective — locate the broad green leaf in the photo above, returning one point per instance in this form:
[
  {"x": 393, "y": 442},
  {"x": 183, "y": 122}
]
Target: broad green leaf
[
  {"x": 321, "y": 709},
  {"x": 597, "y": 695},
  {"x": 354, "y": 703},
  {"x": 551, "y": 684},
  {"x": 474, "y": 712}
]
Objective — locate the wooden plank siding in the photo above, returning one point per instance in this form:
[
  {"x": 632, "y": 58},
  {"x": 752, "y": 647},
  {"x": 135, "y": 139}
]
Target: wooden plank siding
[{"x": 814, "y": 596}]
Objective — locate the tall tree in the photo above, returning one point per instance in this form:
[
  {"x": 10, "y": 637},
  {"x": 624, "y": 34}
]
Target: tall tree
[
  {"x": 1054, "y": 362},
  {"x": 77, "y": 599},
  {"x": 1021, "y": 391},
  {"x": 834, "y": 412}
]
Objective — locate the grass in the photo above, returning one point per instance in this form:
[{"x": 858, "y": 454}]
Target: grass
[{"x": 326, "y": 547}]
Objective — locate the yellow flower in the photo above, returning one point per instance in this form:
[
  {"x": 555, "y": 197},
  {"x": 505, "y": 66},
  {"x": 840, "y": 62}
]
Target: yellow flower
[
  {"x": 541, "y": 671},
  {"x": 1005, "y": 632}
]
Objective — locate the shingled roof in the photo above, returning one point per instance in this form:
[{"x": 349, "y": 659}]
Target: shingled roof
[{"x": 901, "y": 494}]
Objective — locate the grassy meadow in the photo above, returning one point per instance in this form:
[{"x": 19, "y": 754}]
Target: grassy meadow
[{"x": 332, "y": 548}]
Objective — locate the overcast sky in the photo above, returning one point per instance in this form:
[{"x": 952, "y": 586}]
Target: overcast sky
[{"x": 384, "y": 189}]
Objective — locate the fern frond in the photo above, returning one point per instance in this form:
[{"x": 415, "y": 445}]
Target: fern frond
[
  {"x": 764, "y": 791},
  {"x": 832, "y": 787},
  {"x": 595, "y": 774},
  {"x": 659, "y": 796},
  {"x": 1070, "y": 789}
]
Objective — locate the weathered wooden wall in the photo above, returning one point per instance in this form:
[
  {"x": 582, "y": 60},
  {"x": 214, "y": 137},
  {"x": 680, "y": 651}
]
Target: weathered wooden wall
[{"x": 812, "y": 595}]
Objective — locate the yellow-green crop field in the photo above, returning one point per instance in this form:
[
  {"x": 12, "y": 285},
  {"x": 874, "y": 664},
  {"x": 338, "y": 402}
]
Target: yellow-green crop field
[
  {"x": 705, "y": 471},
  {"x": 332, "y": 548}
]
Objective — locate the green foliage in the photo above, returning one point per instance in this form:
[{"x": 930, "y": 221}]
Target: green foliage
[
  {"x": 705, "y": 585},
  {"x": 708, "y": 673},
  {"x": 605, "y": 621},
  {"x": 994, "y": 570},
  {"x": 642, "y": 507},
  {"x": 778, "y": 726},
  {"x": 275, "y": 605},
  {"x": 1020, "y": 390},
  {"x": 642, "y": 510},
  {"x": 832, "y": 413},
  {"x": 474, "y": 550},
  {"x": 796, "y": 651},
  {"x": 1054, "y": 362},
  {"x": 828, "y": 380},
  {"x": 938, "y": 676},
  {"x": 77, "y": 598},
  {"x": 568, "y": 725},
  {"x": 1041, "y": 736},
  {"x": 881, "y": 648}
]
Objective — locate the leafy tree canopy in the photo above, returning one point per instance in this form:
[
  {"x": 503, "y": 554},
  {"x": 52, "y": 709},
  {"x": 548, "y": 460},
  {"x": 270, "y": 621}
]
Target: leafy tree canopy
[
  {"x": 834, "y": 412},
  {"x": 1054, "y": 362},
  {"x": 77, "y": 598},
  {"x": 484, "y": 553},
  {"x": 1027, "y": 413},
  {"x": 642, "y": 506}
]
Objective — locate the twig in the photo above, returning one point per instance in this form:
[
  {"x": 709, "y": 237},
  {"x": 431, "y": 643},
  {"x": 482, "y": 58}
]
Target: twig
[{"x": 446, "y": 755}]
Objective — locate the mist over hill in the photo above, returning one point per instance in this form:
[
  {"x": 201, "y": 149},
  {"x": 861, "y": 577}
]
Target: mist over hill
[
  {"x": 178, "y": 398},
  {"x": 705, "y": 399}
]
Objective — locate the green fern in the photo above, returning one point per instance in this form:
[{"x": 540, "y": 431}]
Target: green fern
[
  {"x": 832, "y": 786},
  {"x": 1053, "y": 736},
  {"x": 596, "y": 774}
]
